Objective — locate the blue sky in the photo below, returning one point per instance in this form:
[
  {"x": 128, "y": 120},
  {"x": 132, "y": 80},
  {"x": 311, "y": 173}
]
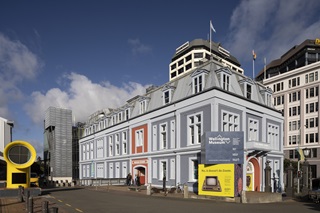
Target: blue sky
[{"x": 89, "y": 55}]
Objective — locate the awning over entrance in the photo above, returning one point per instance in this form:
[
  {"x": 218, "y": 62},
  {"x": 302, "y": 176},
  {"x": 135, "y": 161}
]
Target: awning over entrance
[
  {"x": 257, "y": 153},
  {"x": 257, "y": 149}
]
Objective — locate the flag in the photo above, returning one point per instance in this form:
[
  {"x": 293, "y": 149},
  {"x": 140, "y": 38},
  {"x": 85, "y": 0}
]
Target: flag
[
  {"x": 211, "y": 27},
  {"x": 254, "y": 55},
  {"x": 301, "y": 155}
]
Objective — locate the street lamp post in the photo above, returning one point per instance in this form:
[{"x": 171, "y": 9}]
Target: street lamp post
[
  {"x": 298, "y": 181},
  {"x": 305, "y": 175},
  {"x": 306, "y": 152}
]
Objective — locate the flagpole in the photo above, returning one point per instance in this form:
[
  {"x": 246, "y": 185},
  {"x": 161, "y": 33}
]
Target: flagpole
[
  {"x": 253, "y": 59},
  {"x": 211, "y": 28},
  {"x": 210, "y": 37},
  {"x": 253, "y": 68},
  {"x": 265, "y": 67}
]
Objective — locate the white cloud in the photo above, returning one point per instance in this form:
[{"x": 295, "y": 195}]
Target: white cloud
[
  {"x": 17, "y": 63},
  {"x": 138, "y": 47},
  {"x": 82, "y": 96},
  {"x": 271, "y": 27},
  {"x": 38, "y": 146}
]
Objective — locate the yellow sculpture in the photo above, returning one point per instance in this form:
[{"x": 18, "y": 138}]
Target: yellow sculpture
[{"x": 19, "y": 155}]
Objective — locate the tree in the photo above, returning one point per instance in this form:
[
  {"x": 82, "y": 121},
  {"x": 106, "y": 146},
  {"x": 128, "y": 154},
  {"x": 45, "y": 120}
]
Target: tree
[
  {"x": 37, "y": 166},
  {"x": 286, "y": 164}
]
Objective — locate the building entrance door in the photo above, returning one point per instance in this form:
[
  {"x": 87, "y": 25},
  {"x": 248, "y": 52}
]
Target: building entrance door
[
  {"x": 141, "y": 172},
  {"x": 250, "y": 177}
]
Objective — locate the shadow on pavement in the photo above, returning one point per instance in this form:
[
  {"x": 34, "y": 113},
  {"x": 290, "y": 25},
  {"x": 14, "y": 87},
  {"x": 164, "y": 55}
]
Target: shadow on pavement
[{"x": 46, "y": 191}]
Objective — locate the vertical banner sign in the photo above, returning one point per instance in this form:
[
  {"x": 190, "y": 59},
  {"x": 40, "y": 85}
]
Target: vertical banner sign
[{"x": 222, "y": 148}]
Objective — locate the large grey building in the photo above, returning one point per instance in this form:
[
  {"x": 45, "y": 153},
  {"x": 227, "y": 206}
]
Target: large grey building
[
  {"x": 158, "y": 135},
  {"x": 58, "y": 144}
]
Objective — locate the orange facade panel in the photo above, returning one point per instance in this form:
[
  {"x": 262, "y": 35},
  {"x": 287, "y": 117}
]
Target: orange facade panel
[{"x": 139, "y": 138}]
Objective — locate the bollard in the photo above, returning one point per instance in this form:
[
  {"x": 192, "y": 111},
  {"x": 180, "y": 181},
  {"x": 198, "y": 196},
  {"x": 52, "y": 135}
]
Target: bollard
[
  {"x": 27, "y": 198},
  {"x": 54, "y": 210},
  {"x": 30, "y": 205},
  {"x": 149, "y": 189},
  {"x": 185, "y": 191},
  {"x": 45, "y": 207},
  {"x": 20, "y": 194}
]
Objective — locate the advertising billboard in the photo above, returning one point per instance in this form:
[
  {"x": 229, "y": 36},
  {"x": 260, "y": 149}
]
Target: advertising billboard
[
  {"x": 222, "y": 148},
  {"x": 223, "y": 180}
]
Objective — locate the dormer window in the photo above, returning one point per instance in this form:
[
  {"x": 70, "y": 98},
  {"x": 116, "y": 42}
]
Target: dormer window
[
  {"x": 224, "y": 77},
  {"x": 114, "y": 119},
  {"x": 143, "y": 104},
  {"x": 247, "y": 85},
  {"x": 166, "y": 97},
  {"x": 119, "y": 116},
  {"x": 167, "y": 92},
  {"x": 225, "y": 82},
  {"x": 267, "y": 96},
  {"x": 127, "y": 114},
  {"x": 105, "y": 123},
  {"x": 100, "y": 125},
  {"x": 197, "y": 83},
  {"x": 198, "y": 80},
  {"x": 248, "y": 91}
]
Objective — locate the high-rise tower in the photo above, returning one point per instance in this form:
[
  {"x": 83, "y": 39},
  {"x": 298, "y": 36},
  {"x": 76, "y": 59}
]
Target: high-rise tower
[{"x": 58, "y": 143}]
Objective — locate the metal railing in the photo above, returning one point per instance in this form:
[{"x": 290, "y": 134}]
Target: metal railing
[{"x": 102, "y": 181}]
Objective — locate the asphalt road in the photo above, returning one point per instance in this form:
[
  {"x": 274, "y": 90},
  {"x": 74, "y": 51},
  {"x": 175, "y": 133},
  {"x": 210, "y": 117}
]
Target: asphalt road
[{"x": 91, "y": 201}]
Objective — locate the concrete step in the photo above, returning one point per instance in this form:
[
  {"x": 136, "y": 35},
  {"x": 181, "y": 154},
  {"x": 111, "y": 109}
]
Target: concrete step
[{"x": 260, "y": 197}]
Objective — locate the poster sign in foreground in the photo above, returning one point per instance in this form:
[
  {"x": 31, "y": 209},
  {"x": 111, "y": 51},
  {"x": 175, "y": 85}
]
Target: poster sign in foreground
[{"x": 222, "y": 180}]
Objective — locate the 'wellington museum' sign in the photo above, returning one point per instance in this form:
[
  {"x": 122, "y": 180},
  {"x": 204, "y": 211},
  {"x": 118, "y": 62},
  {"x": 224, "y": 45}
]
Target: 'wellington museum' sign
[{"x": 222, "y": 148}]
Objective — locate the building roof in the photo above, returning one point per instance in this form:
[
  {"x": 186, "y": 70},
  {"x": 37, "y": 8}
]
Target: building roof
[
  {"x": 182, "y": 89},
  {"x": 290, "y": 53},
  {"x": 188, "y": 46},
  {"x": 7, "y": 121}
]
